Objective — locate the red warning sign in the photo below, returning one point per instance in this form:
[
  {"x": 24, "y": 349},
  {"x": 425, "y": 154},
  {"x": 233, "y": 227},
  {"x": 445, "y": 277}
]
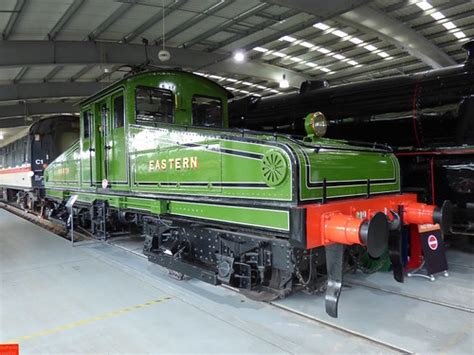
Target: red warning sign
[
  {"x": 9, "y": 349},
  {"x": 433, "y": 242}
]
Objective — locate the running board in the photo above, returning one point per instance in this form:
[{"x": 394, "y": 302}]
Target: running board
[{"x": 179, "y": 265}]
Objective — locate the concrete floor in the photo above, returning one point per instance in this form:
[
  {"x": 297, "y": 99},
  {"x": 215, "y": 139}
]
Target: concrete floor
[{"x": 98, "y": 298}]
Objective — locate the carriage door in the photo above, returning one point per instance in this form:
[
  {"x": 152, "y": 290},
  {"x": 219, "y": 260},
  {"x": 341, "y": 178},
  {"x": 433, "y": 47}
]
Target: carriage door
[
  {"x": 116, "y": 143},
  {"x": 102, "y": 143},
  {"x": 88, "y": 153}
]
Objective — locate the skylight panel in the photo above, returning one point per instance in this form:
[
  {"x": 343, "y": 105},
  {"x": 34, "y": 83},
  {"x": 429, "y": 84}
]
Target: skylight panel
[
  {"x": 288, "y": 39},
  {"x": 424, "y": 5},
  {"x": 339, "y": 33},
  {"x": 321, "y": 26}
]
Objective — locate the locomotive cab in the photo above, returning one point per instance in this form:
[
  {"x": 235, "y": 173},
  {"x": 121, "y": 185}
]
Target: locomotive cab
[{"x": 149, "y": 100}]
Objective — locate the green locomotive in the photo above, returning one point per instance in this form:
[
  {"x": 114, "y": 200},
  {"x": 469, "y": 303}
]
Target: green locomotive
[{"x": 262, "y": 212}]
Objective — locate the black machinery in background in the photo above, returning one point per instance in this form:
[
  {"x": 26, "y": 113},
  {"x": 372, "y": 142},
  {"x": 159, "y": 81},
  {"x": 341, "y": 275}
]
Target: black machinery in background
[{"x": 427, "y": 117}]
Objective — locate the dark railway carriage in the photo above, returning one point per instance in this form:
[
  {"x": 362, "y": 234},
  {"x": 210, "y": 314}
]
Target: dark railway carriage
[
  {"x": 266, "y": 213},
  {"x": 22, "y": 162},
  {"x": 428, "y": 118}
]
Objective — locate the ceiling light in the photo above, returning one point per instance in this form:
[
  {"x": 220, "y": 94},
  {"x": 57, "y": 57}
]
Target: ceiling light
[
  {"x": 198, "y": 73},
  {"x": 352, "y": 62},
  {"x": 260, "y": 49},
  {"x": 247, "y": 83},
  {"x": 424, "y": 5},
  {"x": 331, "y": 73},
  {"x": 339, "y": 33},
  {"x": 459, "y": 34},
  {"x": 306, "y": 44},
  {"x": 288, "y": 39},
  {"x": 449, "y": 25},
  {"x": 339, "y": 56},
  {"x": 275, "y": 91},
  {"x": 321, "y": 26},
  {"x": 261, "y": 87},
  {"x": 1, "y": 136},
  {"x": 326, "y": 70},
  {"x": 311, "y": 65},
  {"x": 296, "y": 59},
  {"x": 232, "y": 80},
  {"x": 383, "y": 54},
  {"x": 323, "y": 50},
  {"x": 284, "y": 83},
  {"x": 230, "y": 88},
  {"x": 239, "y": 57},
  {"x": 279, "y": 54},
  {"x": 370, "y": 48},
  {"x": 437, "y": 15},
  {"x": 244, "y": 91},
  {"x": 215, "y": 77},
  {"x": 356, "y": 40}
]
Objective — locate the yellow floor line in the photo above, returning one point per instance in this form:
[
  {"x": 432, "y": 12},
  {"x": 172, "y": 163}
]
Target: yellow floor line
[{"x": 88, "y": 320}]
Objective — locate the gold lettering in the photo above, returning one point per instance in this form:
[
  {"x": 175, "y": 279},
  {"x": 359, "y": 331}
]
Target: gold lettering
[
  {"x": 185, "y": 163},
  {"x": 164, "y": 164},
  {"x": 194, "y": 162}
]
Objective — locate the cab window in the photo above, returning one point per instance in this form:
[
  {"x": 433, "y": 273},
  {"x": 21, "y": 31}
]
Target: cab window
[
  {"x": 118, "y": 112},
  {"x": 86, "y": 122},
  {"x": 153, "y": 106},
  {"x": 207, "y": 111}
]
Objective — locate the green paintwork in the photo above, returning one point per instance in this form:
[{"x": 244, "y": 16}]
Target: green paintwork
[{"x": 210, "y": 174}]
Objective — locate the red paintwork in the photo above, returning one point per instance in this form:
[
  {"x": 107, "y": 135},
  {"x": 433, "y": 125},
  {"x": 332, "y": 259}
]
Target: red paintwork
[
  {"x": 416, "y": 256},
  {"x": 338, "y": 221},
  {"x": 437, "y": 152},
  {"x": 15, "y": 170},
  {"x": 341, "y": 228},
  {"x": 418, "y": 213}
]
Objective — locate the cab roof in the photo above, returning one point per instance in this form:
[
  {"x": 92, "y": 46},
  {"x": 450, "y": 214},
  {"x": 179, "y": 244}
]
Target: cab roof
[{"x": 118, "y": 83}]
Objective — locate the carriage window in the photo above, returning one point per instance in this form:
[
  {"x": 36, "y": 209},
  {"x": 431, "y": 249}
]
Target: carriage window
[
  {"x": 118, "y": 112},
  {"x": 154, "y": 106},
  {"x": 207, "y": 111},
  {"x": 87, "y": 119}
]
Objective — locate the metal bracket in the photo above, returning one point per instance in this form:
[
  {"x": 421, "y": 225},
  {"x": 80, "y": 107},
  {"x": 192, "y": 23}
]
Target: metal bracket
[
  {"x": 395, "y": 247},
  {"x": 334, "y": 261}
]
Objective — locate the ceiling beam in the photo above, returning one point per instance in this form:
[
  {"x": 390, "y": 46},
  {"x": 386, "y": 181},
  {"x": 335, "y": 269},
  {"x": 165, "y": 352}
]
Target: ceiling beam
[
  {"x": 81, "y": 72},
  {"x": 46, "y": 90},
  {"x": 20, "y": 74},
  {"x": 52, "y": 73},
  {"x": 260, "y": 27},
  {"x": 265, "y": 71},
  {"x": 16, "y": 13},
  {"x": 226, "y": 24},
  {"x": 19, "y": 112},
  {"x": 34, "y": 53},
  {"x": 63, "y": 20},
  {"x": 153, "y": 20},
  {"x": 322, "y": 9},
  {"x": 194, "y": 20},
  {"x": 389, "y": 29},
  {"x": 109, "y": 21}
]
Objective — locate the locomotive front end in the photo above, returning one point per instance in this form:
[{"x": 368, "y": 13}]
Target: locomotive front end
[{"x": 351, "y": 195}]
